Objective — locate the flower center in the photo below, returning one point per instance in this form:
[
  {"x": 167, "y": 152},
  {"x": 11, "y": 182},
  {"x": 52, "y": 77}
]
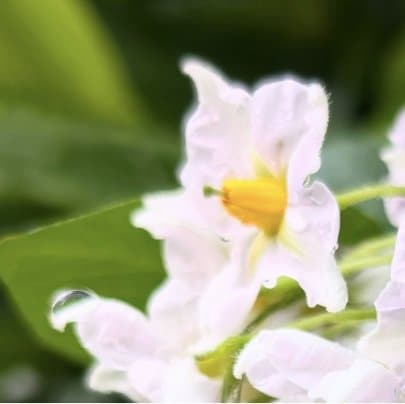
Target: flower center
[{"x": 260, "y": 202}]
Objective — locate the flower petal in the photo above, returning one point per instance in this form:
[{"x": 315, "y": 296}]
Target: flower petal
[
  {"x": 163, "y": 211},
  {"x": 285, "y": 363},
  {"x": 115, "y": 333},
  {"x": 262, "y": 375},
  {"x": 177, "y": 381},
  {"x": 192, "y": 251},
  {"x": 305, "y": 247},
  {"x": 398, "y": 261},
  {"x": 385, "y": 343},
  {"x": 224, "y": 307},
  {"x": 172, "y": 310},
  {"x": 147, "y": 376},
  {"x": 397, "y": 133},
  {"x": 394, "y": 158},
  {"x": 289, "y": 121},
  {"x": 364, "y": 381},
  {"x": 217, "y": 131},
  {"x": 107, "y": 380},
  {"x": 194, "y": 256}
]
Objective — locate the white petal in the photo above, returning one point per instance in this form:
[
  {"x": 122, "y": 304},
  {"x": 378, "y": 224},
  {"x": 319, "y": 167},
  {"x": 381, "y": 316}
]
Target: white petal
[
  {"x": 172, "y": 311},
  {"x": 194, "y": 256},
  {"x": 398, "y": 261},
  {"x": 175, "y": 381},
  {"x": 385, "y": 343},
  {"x": 217, "y": 131},
  {"x": 163, "y": 211},
  {"x": 107, "y": 380},
  {"x": 364, "y": 381},
  {"x": 289, "y": 121},
  {"x": 225, "y": 305},
  {"x": 395, "y": 207},
  {"x": 305, "y": 249},
  {"x": 147, "y": 377},
  {"x": 191, "y": 249},
  {"x": 397, "y": 133},
  {"x": 262, "y": 375},
  {"x": 186, "y": 384},
  {"x": 115, "y": 333},
  {"x": 394, "y": 158},
  {"x": 298, "y": 359}
]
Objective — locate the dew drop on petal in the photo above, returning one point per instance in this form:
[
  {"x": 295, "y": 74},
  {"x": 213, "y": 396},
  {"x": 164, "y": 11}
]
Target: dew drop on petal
[
  {"x": 68, "y": 306},
  {"x": 67, "y": 298}
]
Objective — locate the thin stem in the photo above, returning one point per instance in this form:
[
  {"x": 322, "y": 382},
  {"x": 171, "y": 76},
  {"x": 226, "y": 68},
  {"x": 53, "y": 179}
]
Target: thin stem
[
  {"x": 356, "y": 196},
  {"x": 351, "y": 267},
  {"x": 369, "y": 247},
  {"x": 323, "y": 319},
  {"x": 291, "y": 292}
]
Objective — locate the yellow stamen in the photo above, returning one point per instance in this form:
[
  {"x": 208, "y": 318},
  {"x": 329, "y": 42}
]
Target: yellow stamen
[{"x": 259, "y": 202}]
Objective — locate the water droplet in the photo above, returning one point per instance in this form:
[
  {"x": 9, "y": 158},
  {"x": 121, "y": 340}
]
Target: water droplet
[
  {"x": 69, "y": 297},
  {"x": 66, "y": 308}
]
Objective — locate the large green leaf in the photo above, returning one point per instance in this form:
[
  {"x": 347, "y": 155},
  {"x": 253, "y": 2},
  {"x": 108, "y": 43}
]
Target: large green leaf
[
  {"x": 50, "y": 166},
  {"x": 56, "y": 53},
  {"x": 102, "y": 252},
  {"x": 349, "y": 161}
]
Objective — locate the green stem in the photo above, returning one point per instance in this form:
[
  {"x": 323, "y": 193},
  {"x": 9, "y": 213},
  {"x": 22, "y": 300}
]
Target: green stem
[
  {"x": 370, "y": 247},
  {"x": 294, "y": 294},
  {"x": 323, "y": 319},
  {"x": 356, "y": 196},
  {"x": 353, "y": 266},
  {"x": 288, "y": 291}
]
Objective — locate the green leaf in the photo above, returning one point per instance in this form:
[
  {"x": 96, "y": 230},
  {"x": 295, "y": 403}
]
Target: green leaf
[
  {"x": 356, "y": 225},
  {"x": 102, "y": 252},
  {"x": 351, "y": 161},
  {"x": 51, "y": 167},
  {"x": 56, "y": 54}
]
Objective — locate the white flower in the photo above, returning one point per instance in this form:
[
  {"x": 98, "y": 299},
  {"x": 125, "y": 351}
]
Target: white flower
[
  {"x": 201, "y": 268},
  {"x": 291, "y": 364},
  {"x": 394, "y": 158},
  {"x": 134, "y": 356},
  {"x": 254, "y": 153}
]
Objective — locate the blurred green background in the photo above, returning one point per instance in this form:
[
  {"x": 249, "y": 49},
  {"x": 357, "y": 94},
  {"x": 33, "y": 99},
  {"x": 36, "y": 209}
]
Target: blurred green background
[{"x": 91, "y": 106}]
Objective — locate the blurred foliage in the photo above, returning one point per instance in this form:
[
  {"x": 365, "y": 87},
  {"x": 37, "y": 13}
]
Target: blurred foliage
[
  {"x": 56, "y": 54},
  {"x": 59, "y": 166},
  {"x": 91, "y": 100},
  {"x": 349, "y": 45},
  {"x": 101, "y": 252}
]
